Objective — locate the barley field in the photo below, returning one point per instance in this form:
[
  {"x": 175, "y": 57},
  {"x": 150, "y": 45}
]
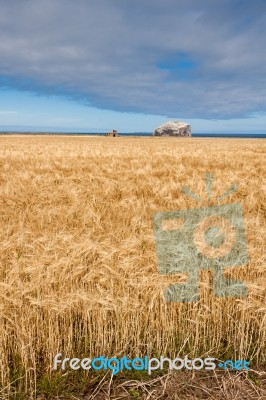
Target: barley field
[{"x": 78, "y": 267}]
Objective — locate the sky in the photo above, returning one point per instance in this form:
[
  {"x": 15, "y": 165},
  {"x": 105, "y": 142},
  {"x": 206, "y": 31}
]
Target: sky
[{"x": 92, "y": 66}]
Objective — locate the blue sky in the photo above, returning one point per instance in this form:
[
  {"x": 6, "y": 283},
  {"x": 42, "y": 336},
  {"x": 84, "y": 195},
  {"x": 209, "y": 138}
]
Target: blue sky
[{"x": 132, "y": 65}]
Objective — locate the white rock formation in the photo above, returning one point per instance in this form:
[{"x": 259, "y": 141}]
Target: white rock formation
[{"x": 173, "y": 128}]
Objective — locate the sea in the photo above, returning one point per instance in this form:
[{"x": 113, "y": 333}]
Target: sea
[{"x": 146, "y": 134}]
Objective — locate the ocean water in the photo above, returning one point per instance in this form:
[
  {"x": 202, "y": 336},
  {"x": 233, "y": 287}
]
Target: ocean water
[{"x": 146, "y": 134}]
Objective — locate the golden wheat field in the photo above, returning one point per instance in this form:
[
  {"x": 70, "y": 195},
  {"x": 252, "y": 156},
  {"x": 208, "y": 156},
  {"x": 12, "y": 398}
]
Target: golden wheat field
[{"x": 78, "y": 267}]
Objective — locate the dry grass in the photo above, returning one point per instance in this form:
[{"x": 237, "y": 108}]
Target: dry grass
[
  {"x": 183, "y": 386},
  {"x": 78, "y": 266}
]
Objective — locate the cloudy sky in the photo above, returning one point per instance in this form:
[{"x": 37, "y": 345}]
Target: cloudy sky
[{"x": 92, "y": 65}]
